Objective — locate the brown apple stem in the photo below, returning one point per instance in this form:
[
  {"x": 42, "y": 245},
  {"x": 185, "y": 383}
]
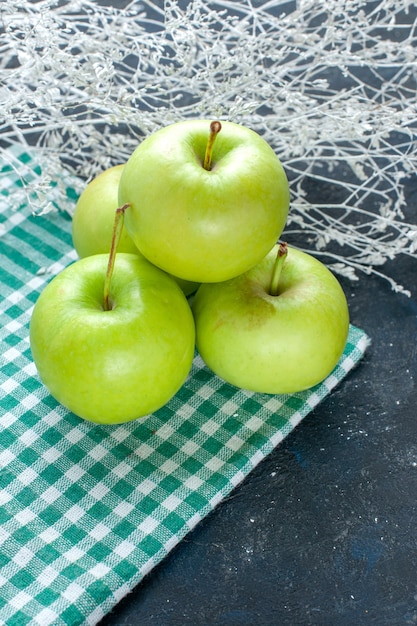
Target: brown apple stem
[
  {"x": 215, "y": 128},
  {"x": 117, "y": 231},
  {"x": 276, "y": 272}
]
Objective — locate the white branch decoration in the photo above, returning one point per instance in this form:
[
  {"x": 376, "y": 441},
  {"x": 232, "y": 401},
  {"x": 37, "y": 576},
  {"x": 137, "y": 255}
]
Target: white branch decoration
[{"x": 330, "y": 84}]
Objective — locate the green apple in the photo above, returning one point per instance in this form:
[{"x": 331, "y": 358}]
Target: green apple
[
  {"x": 281, "y": 327},
  {"x": 93, "y": 219},
  {"x": 116, "y": 363},
  {"x": 207, "y": 201}
]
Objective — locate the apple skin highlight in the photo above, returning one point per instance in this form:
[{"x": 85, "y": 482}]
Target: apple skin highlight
[
  {"x": 273, "y": 344},
  {"x": 204, "y": 225},
  {"x": 118, "y": 365}
]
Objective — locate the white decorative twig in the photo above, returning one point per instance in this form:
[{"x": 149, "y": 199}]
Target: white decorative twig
[{"x": 330, "y": 84}]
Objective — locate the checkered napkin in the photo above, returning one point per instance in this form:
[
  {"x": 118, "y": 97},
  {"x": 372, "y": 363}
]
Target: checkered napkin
[{"x": 87, "y": 510}]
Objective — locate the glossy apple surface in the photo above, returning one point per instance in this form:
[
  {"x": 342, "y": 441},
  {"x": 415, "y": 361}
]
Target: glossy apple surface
[
  {"x": 204, "y": 225},
  {"x": 117, "y": 365},
  {"x": 93, "y": 220},
  {"x": 273, "y": 344}
]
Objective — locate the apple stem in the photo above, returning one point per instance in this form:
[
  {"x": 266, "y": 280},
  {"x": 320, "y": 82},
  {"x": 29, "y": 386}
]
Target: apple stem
[
  {"x": 276, "y": 272},
  {"x": 215, "y": 128},
  {"x": 117, "y": 231}
]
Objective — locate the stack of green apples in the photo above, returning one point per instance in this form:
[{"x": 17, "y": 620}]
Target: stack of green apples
[{"x": 179, "y": 250}]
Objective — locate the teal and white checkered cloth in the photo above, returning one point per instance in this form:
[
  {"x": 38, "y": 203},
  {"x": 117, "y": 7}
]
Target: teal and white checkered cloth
[{"x": 87, "y": 510}]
